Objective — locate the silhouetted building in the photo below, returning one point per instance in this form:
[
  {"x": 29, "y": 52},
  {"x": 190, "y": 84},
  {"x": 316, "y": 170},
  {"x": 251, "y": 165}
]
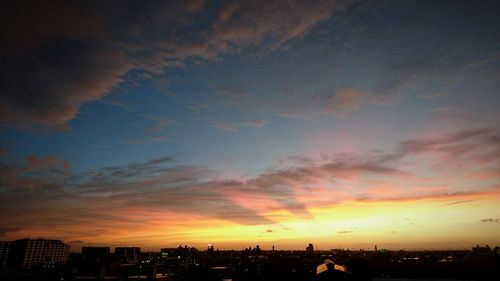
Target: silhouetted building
[
  {"x": 94, "y": 261},
  {"x": 167, "y": 252},
  {"x": 29, "y": 253},
  {"x": 95, "y": 254},
  {"x": 257, "y": 250},
  {"x": 482, "y": 250},
  {"x": 210, "y": 249},
  {"x": 310, "y": 250},
  {"x": 128, "y": 254},
  {"x": 4, "y": 253}
]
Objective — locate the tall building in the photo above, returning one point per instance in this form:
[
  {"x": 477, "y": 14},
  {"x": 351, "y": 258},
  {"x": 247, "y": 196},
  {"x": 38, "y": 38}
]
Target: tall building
[
  {"x": 210, "y": 249},
  {"x": 4, "y": 253},
  {"x": 29, "y": 253},
  {"x": 128, "y": 254},
  {"x": 95, "y": 254},
  {"x": 94, "y": 262},
  {"x": 310, "y": 250}
]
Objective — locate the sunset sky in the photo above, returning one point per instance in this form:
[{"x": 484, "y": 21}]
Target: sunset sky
[{"x": 337, "y": 123}]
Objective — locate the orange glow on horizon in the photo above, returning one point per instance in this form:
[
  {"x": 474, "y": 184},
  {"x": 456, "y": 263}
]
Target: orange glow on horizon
[{"x": 452, "y": 221}]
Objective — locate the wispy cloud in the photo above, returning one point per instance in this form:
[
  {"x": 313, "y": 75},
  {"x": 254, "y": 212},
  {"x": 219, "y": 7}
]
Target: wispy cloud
[
  {"x": 340, "y": 101},
  {"x": 490, "y": 220},
  {"x": 235, "y": 127},
  {"x": 232, "y": 93},
  {"x": 5, "y": 230}
]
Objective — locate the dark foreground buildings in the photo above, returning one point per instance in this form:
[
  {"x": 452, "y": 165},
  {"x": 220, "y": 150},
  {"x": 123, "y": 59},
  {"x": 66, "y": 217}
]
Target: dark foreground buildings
[
  {"x": 128, "y": 254},
  {"x": 26, "y": 254},
  {"x": 41, "y": 259}
]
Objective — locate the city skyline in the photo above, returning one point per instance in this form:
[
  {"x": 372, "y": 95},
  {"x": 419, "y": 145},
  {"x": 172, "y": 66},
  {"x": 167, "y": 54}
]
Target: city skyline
[{"x": 345, "y": 124}]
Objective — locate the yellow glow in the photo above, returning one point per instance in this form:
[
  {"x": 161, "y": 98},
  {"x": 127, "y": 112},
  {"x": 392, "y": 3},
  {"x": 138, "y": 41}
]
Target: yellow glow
[{"x": 452, "y": 221}]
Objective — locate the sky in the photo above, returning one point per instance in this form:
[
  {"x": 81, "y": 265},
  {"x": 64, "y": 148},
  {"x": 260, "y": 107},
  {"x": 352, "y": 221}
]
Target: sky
[{"x": 345, "y": 124}]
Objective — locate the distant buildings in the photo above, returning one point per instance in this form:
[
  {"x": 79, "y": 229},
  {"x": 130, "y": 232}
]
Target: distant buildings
[
  {"x": 310, "y": 250},
  {"x": 30, "y": 253},
  {"x": 128, "y": 254},
  {"x": 482, "y": 250},
  {"x": 210, "y": 249},
  {"x": 94, "y": 262},
  {"x": 95, "y": 255}
]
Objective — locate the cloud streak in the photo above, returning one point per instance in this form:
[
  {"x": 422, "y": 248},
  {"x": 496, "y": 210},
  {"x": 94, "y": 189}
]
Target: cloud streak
[
  {"x": 490, "y": 220},
  {"x": 235, "y": 127}
]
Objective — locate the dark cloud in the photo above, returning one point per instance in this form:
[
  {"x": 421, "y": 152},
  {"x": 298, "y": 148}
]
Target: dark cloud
[
  {"x": 458, "y": 202},
  {"x": 34, "y": 173},
  {"x": 51, "y": 93},
  {"x": 490, "y": 220},
  {"x": 344, "y": 231},
  {"x": 5, "y": 230},
  {"x": 61, "y": 55},
  {"x": 479, "y": 145}
]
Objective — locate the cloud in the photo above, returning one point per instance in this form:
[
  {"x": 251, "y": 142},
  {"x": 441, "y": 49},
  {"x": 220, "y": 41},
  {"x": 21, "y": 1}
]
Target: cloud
[
  {"x": 159, "y": 123},
  {"x": 158, "y": 138},
  {"x": 235, "y": 127},
  {"x": 62, "y": 76},
  {"x": 76, "y": 242},
  {"x": 232, "y": 93},
  {"x": 344, "y": 231},
  {"x": 117, "y": 198},
  {"x": 5, "y": 230},
  {"x": 38, "y": 163},
  {"x": 490, "y": 220},
  {"x": 227, "y": 126},
  {"x": 257, "y": 123},
  {"x": 244, "y": 23},
  {"x": 71, "y": 54},
  {"x": 161, "y": 184},
  {"x": 34, "y": 173},
  {"x": 153, "y": 133},
  {"x": 458, "y": 202},
  {"x": 479, "y": 146},
  {"x": 343, "y": 101}
]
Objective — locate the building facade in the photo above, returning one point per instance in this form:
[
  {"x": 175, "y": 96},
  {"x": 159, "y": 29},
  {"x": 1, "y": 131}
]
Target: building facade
[
  {"x": 30, "y": 253},
  {"x": 128, "y": 254},
  {"x": 4, "y": 253}
]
